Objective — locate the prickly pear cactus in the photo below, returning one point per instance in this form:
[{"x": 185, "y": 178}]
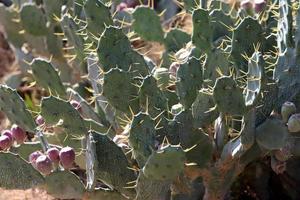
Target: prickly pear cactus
[{"x": 129, "y": 105}]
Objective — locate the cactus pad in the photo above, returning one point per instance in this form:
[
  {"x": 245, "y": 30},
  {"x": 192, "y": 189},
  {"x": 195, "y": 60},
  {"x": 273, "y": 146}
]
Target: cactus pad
[
  {"x": 98, "y": 16},
  {"x": 33, "y": 20},
  {"x": 64, "y": 185},
  {"x": 13, "y": 106},
  {"x": 111, "y": 164},
  {"x": 46, "y": 75},
  {"x": 152, "y": 30},
  {"x": 142, "y": 137},
  {"x": 203, "y": 109},
  {"x": 119, "y": 89},
  {"x": 272, "y": 134},
  {"x": 16, "y": 173},
  {"x": 202, "y": 31},
  {"x": 228, "y": 96},
  {"x": 189, "y": 81},
  {"x": 114, "y": 50},
  {"x": 165, "y": 164}
]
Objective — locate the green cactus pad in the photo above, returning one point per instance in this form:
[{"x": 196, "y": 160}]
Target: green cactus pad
[
  {"x": 71, "y": 31},
  {"x": 255, "y": 74},
  {"x": 53, "y": 9},
  {"x": 220, "y": 23},
  {"x": 203, "y": 109},
  {"x": 246, "y": 36},
  {"x": 119, "y": 89},
  {"x": 142, "y": 137},
  {"x": 228, "y": 96},
  {"x": 191, "y": 5},
  {"x": 217, "y": 60},
  {"x": 16, "y": 173},
  {"x": 111, "y": 165},
  {"x": 46, "y": 76},
  {"x": 64, "y": 185},
  {"x": 98, "y": 16},
  {"x": 54, "y": 43},
  {"x": 189, "y": 81},
  {"x": 165, "y": 164},
  {"x": 176, "y": 39},
  {"x": 202, "y": 31},
  {"x": 54, "y": 109},
  {"x": 151, "y": 97},
  {"x": 272, "y": 134},
  {"x": 15, "y": 109},
  {"x": 12, "y": 28},
  {"x": 149, "y": 189},
  {"x": 114, "y": 50},
  {"x": 33, "y": 20},
  {"x": 152, "y": 30},
  {"x": 199, "y": 144}
]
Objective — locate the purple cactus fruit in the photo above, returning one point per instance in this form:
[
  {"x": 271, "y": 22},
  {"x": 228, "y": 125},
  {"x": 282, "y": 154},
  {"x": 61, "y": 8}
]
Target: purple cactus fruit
[
  {"x": 287, "y": 109},
  {"x": 67, "y": 157},
  {"x": 44, "y": 164},
  {"x": 122, "y": 6},
  {"x": 132, "y": 3},
  {"x": 247, "y": 5},
  {"x": 294, "y": 123},
  {"x": 53, "y": 154},
  {"x": 5, "y": 142},
  {"x": 259, "y": 5},
  {"x": 173, "y": 68},
  {"x": 18, "y": 134},
  {"x": 33, "y": 156},
  {"x": 39, "y": 120},
  {"x": 75, "y": 104},
  {"x": 8, "y": 133}
]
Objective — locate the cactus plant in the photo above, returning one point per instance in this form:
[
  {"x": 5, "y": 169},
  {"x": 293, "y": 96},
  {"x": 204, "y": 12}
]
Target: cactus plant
[{"x": 150, "y": 128}]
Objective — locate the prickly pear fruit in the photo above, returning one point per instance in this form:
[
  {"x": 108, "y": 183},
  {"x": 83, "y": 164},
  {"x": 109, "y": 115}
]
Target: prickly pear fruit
[
  {"x": 173, "y": 68},
  {"x": 53, "y": 154},
  {"x": 18, "y": 134},
  {"x": 44, "y": 164},
  {"x": 75, "y": 104},
  {"x": 8, "y": 133},
  {"x": 5, "y": 142},
  {"x": 39, "y": 120},
  {"x": 259, "y": 5},
  {"x": 122, "y": 6},
  {"x": 247, "y": 5},
  {"x": 33, "y": 156},
  {"x": 287, "y": 109},
  {"x": 294, "y": 123},
  {"x": 67, "y": 157}
]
